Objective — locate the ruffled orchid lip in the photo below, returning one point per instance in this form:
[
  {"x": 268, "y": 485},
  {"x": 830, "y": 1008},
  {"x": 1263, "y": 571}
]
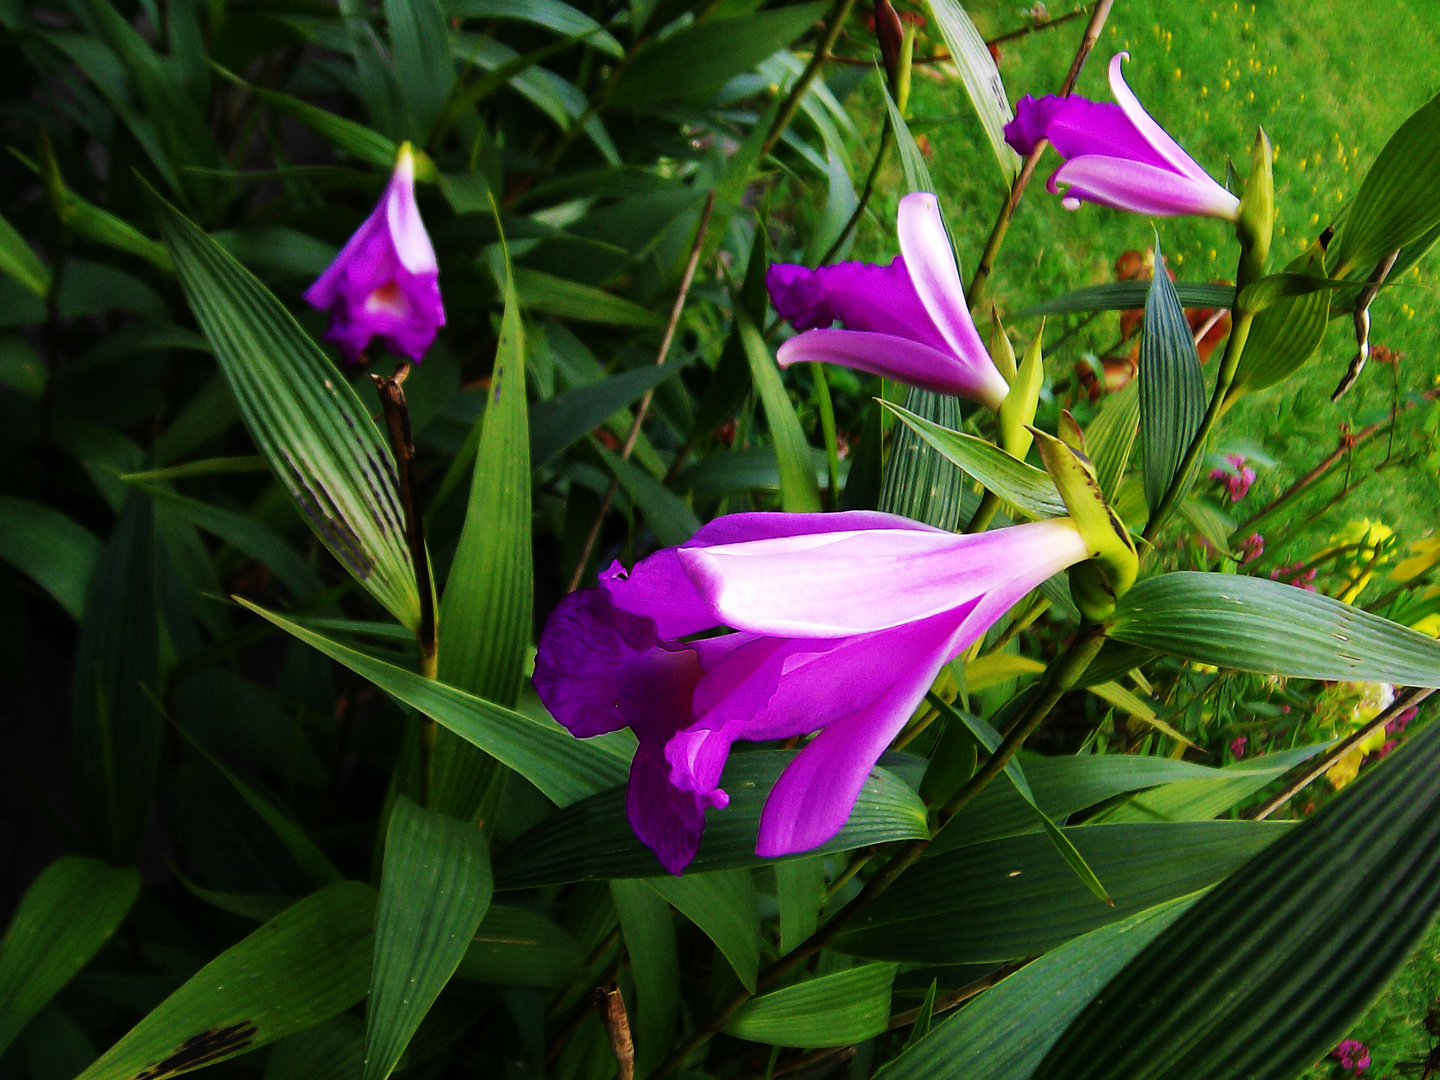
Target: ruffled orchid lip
[{"x": 907, "y": 321}]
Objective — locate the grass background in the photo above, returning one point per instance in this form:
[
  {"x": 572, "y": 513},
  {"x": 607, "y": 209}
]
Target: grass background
[{"x": 1329, "y": 82}]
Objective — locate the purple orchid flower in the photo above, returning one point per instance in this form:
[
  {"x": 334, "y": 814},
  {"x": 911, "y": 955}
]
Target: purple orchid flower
[
  {"x": 385, "y": 281},
  {"x": 840, "y": 623},
  {"x": 906, "y": 321},
  {"x": 1117, "y": 155}
]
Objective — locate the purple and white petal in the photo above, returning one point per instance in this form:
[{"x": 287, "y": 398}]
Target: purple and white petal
[
  {"x": 1141, "y": 189},
  {"x": 901, "y": 359}
]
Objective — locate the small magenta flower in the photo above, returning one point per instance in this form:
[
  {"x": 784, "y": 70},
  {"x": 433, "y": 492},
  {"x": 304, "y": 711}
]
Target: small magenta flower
[
  {"x": 1252, "y": 548},
  {"x": 1117, "y": 155},
  {"x": 907, "y": 321},
  {"x": 385, "y": 281},
  {"x": 1238, "y": 745},
  {"x": 1353, "y": 1055},
  {"x": 1238, "y": 476},
  {"x": 840, "y": 623}
]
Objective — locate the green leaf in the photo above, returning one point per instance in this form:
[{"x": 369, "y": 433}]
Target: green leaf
[
  {"x": 309, "y": 963},
  {"x": 1262, "y": 976},
  {"x": 65, "y": 916},
  {"x": 332, "y": 1050},
  {"x": 19, "y": 262},
  {"x": 1172, "y": 390},
  {"x": 1255, "y": 624},
  {"x": 1286, "y": 334},
  {"x": 21, "y": 368},
  {"x": 486, "y": 611},
  {"x": 244, "y": 534},
  {"x": 303, "y": 416},
  {"x": 800, "y": 892},
  {"x": 650, "y": 940},
  {"x": 115, "y": 732},
  {"x": 921, "y": 1028},
  {"x": 1021, "y": 485},
  {"x": 348, "y": 136},
  {"x": 1396, "y": 201},
  {"x": 553, "y": 15},
  {"x": 1005, "y": 1032},
  {"x": 1012, "y": 898},
  {"x": 832, "y": 1010},
  {"x": 1111, "y": 436},
  {"x": 919, "y": 481},
  {"x": 1131, "y": 296},
  {"x": 1062, "y": 786},
  {"x": 799, "y": 489},
  {"x": 972, "y": 58},
  {"x": 1200, "y": 800},
  {"x": 553, "y": 295},
  {"x": 912, "y": 162},
  {"x": 564, "y": 768},
  {"x": 990, "y": 740},
  {"x": 672, "y": 521},
  {"x": 701, "y": 57},
  {"x": 516, "y": 947},
  {"x": 57, "y": 553},
  {"x": 1291, "y": 283},
  {"x": 722, "y": 903},
  {"x": 593, "y": 840},
  {"x": 559, "y": 422},
  {"x": 420, "y": 45},
  {"x": 435, "y": 887}
]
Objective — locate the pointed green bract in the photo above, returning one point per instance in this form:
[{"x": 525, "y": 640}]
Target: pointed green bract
[
  {"x": 64, "y": 918},
  {"x": 434, "y": 890},
  {"x": 309, "y": 963},
  {"x": 303, "y": 416}
]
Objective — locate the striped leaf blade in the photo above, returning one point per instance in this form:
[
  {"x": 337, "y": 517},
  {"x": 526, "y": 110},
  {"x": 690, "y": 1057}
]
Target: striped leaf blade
[
  {"x": 1172, "y": 390},
  {"x": 304, "y": 417}
]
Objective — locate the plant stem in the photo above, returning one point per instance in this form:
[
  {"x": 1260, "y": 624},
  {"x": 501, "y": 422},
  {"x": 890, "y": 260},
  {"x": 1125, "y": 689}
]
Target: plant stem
[
  {"x": 397, "y": 425},
  {"x": 833, "y": 25},
  {"x": 1098, "y": 15},
  {"x": 644, "y": 406},
  {"x": 1313, "y": 770},
  {"x": 1234, "y": 348},
  {"x": 984, "y": 513},
  {"x": 887, "y": 139},
  {"x": 827, "y": 430}
]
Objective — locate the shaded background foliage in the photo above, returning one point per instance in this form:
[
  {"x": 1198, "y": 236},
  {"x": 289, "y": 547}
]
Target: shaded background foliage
[{"x": 275, "y": 766}]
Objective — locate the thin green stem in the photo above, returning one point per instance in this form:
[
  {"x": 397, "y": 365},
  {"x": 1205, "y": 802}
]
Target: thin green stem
[
  {"x": 984, "y": 513},
  {"x": 827, "y": 429},
  {"x": 887, "y": 140},
  {"x": 833, "y": 24}
]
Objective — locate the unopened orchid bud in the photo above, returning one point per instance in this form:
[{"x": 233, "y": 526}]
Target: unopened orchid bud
[
  {"x": 890, "y": 32},
  {"x": 1256, "y": 221}
]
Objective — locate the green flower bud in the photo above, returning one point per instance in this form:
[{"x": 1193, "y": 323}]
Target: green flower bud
[
  {"x": 1256, "y": 222},
  {"x": 1017, "y": 411}
]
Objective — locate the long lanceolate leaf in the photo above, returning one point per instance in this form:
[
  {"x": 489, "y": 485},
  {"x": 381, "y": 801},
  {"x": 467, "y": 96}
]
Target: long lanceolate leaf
[
  {"x": 982, "y": 80},
  {"x": 1262, "y": 976},
  {"x": 309, "y": 963},
  {"x": 799, "y": 489},
  {"x": 434, "y": 890},
  {"x": 1255, "y": 624},
  {"x": 1172, "y": 390},
  {"x": 65, "y": 917},
  {"x": 564, "y": 768},
  {"x": 303, "y": 416},
  {"x": 486, "y": 611}
]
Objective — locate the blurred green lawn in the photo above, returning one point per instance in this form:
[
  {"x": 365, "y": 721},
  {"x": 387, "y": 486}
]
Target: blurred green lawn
[{"x": 1329, "y": 81}]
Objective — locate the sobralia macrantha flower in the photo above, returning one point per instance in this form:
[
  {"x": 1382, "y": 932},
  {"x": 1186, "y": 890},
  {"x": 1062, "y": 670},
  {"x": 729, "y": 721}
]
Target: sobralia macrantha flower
[
  {"x": 838, "y": 624},
  {"x": 385, "y": 282},
  {"x": 1117, "y": 155},
  {"x": 906, "y": 321}
]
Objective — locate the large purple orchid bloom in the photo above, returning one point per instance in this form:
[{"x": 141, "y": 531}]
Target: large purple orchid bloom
[
  {"x": 907, "y": 321},
  {"x": 385, "y": 282},
  {"x": 840, "y": 623},
  {"x": 1117, "y": 155}
]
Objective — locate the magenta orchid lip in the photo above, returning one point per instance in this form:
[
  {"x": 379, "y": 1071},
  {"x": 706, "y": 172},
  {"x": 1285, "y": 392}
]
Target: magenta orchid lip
[
  {"x": 1117, "y": 155},
  {"x": 839, "y": 624},
  {"x": 907, "y": 321},
  {"x": 385, "y": 282}
]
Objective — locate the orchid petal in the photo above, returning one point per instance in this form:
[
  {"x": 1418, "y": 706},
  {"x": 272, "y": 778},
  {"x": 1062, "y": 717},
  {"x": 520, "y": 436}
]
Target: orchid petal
[
  {"x": 815, "y": 794},
  {"x": 1077, "y": 126},
  {"x": 667, "y": 820},
  {"x": 862, "y": 296},
  {"x": 407, "y": 230},
  {"x": 1145, "y": 124},
  {"x": 1143, "y": 189},
  {"x": 840, "y": 584},
  {"x": 898, "y": 358},
  {"x": 926, "y": 248}
]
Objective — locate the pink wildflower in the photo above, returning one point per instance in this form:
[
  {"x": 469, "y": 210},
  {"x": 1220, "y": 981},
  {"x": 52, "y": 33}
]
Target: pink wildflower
[
  {"x": 1353, "y": 1055},
  {"x": 1397, "y": 724},
  {"x": 1238, "y": 477},
  {"x": 1252, "y": 548},
  {"x": 1237, "y": 746}
]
